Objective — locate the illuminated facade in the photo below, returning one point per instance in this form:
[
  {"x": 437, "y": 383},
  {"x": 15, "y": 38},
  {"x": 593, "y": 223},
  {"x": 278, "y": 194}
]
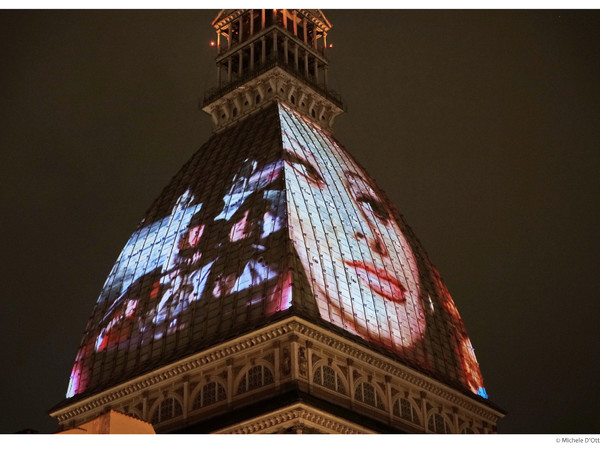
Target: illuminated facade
[{"x": 272, "y": 286}]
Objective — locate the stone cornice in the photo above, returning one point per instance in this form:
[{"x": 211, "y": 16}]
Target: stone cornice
[
  {"x": 173, "y": 371},
  {"x": 292, "y": 415},
  {"x": 293, "y": 326},
  {"x": 272, "y": 82},
  {"x": 391, "y": 367}
]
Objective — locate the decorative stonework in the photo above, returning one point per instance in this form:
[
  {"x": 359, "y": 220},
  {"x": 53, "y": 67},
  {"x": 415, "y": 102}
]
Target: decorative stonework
[
  {"x": 229, "y": 363},
  {"x": 298, "y": 415},
  {"x": 274, "y": 83},
  {"x": 302, "y": 368}
]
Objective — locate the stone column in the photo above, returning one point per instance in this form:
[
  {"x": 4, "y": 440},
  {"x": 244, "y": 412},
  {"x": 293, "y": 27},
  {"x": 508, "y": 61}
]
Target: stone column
[
  {"x": 276, "y": 363},
  {"x": 295, "y": 23},
  {"x": 229, "y": 381},
  {"x": 305, "y": 30},
  {"x": 309, "y": 365},
  {"x": 294, "y": 357},
  {"x": 145, "y": 407},
  {"x": 424, "y": 409},
  {"x": 455, "y": 419},
  {"x": 388, "y": 393},
  {"x": 351, "y": 381},
  {"x": 305, "y": 63},
  {"x": 186, "y": 397},
  {"x": 296, "y": 56}
]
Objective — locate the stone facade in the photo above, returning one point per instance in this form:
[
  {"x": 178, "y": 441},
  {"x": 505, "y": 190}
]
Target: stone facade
[{"x": 289, "y": 356}]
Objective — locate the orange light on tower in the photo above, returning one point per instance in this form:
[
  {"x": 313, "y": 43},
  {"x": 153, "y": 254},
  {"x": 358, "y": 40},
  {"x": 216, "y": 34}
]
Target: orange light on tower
[{"x": 212, "y": 43}]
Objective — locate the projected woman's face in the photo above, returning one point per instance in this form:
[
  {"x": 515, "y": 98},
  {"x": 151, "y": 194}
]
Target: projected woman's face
[{"x": 365, "y": 272}]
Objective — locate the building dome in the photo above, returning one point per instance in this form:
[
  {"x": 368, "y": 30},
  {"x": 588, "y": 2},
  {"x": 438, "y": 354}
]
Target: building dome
[
  {"x": 272, "y": 231},
  {"x": 272, "y": 217}
]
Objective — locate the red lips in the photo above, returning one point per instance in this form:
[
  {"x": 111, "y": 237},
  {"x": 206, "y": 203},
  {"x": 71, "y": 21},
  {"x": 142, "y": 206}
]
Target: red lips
[{"x": 380, "y": 281}]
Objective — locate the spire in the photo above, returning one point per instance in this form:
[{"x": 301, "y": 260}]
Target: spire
[{"x": 265, "y": 54}]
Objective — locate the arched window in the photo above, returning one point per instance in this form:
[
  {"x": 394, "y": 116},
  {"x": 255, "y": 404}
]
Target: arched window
[
  {"x": 169, "y": 408},
  {"x": 256, "y": 377},
  {"x": 403, "y": 408},
  {"x": 327, "y": 377},
  {"x": 366, "y": 393},
  {"x": 438, "y": 424},
  {"x": 212, "y": 392}
]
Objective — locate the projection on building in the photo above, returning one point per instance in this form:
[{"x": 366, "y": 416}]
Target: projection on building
[
  {"x": 206, "y": 259},
  {"x": 239, "y": 229},
  {"x": 365, "y": 275}
]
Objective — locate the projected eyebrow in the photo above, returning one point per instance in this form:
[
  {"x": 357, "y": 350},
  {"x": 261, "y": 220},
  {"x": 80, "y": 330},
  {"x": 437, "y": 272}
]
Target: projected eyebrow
[
  {"x": 366, "y": 197},
  {"x": 305, "y": 169}
]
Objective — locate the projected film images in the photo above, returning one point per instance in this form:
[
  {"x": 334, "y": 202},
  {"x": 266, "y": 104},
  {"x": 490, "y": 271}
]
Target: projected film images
[
  {"x": 215, "y": 258},
  {"x": 364, "y": 271},
  {"x": 358, "y": 257},
  {"x": 193, "y": 256}
]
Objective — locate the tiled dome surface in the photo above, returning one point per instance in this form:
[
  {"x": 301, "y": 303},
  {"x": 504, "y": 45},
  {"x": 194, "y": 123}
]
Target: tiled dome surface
[{"x": 271, "y": 217}]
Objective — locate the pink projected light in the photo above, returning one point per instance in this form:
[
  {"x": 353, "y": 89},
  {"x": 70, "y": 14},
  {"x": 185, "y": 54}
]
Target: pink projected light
[
  {"x": 215, "y": 253},
  {"x": 252, "y": 227}
]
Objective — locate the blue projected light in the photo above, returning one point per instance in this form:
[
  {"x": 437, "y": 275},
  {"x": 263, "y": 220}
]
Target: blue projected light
[
  {"x": 365, "y": 274},
  {"x": 239, "y": 230},
  {"x": 200, "y": 257}
]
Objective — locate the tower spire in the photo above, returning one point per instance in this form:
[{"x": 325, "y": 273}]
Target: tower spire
[
  {"x": 265, "y": 54},
  {"x": 272, "y": 286}
]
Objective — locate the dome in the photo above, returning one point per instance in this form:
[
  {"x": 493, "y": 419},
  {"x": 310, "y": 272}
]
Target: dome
[{"x": 271, "y": 218}]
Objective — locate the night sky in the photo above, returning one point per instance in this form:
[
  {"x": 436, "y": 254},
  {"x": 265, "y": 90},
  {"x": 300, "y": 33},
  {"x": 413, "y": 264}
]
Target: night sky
[{"x": 482, "y": 126}]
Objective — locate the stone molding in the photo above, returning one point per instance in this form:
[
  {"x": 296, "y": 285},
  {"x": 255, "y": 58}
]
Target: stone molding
[
  {"x": 261, "y": 89},
  {"x": 293, "y": 337},
  {"x": 298, "y": 414}
]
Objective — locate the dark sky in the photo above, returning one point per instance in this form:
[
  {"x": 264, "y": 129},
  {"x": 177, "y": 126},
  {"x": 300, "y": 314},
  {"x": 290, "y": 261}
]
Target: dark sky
[{"x": 482, "y": 126}]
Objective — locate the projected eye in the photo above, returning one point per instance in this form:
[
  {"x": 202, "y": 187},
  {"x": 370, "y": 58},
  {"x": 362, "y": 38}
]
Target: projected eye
[
  {"x": 374, "y": 206},
  {"x": 366, "y": 198},
  {"x": 305, "y": 169}
]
